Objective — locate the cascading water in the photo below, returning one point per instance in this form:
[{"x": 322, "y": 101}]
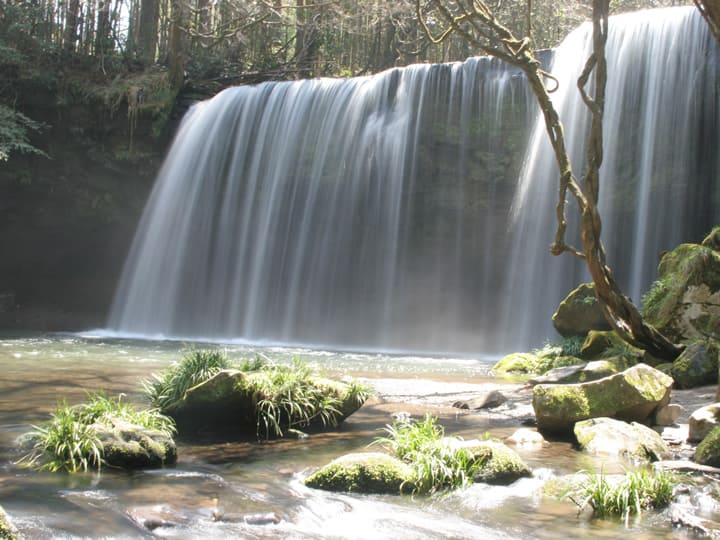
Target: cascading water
[
  {"x": 660, "y": 179},
  {"x": 350, "y": 213},
  {"x": 373, "y": 212}
]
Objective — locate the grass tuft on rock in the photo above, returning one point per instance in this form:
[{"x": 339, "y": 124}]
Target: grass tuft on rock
[
  {"x": 638, "y": 490},
  {"x": 437, "y": 464},
  {"x": 196, "y": 366},
  {"x": 69, "y": 441}
]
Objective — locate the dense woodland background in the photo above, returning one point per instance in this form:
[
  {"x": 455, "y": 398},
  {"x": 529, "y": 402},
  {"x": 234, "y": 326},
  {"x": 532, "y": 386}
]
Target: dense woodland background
[{"x": 92, "y": 90}]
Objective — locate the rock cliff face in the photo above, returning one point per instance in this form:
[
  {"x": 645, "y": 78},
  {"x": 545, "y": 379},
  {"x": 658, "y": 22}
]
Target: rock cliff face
[{"x": 67, "y": 220}]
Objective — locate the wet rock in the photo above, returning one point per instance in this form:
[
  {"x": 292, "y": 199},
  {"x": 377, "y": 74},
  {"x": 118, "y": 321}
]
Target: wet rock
[
  {"x": 708, "y": 451},
  {"x": 703, "y": 421},
  {"x": 560, "y": 375},
  {"x": 369, "y": 472},
  {"x": 7, "y": 529},
  {"x": 684, "y": 303},
  {"x": 484, "y": 400},
  {"x": 154, "y": 517},
  {"x": 633, "y": 395},
  {"x": 697, "y": 365},
  {"x": 666, "y": 416},
  {"x": 500, "y": 464},
  {"x": 525, "y": 436},
  {"x": 579, "y": 313},
  {"x": 130, "y": 446},
  {"x": 614, "y": 437},
  {"x": 268, "y": 518}
]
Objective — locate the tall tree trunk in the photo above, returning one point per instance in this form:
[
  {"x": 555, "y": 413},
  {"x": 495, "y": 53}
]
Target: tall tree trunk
[
  {"x": 177, "y": 47},
  {"x": 71, "y": 25},
  {"x": 102, "y": 32},
  {"x": 148, "y": 30}
]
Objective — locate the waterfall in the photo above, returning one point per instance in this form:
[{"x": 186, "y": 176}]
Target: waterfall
[
  {"x": 374, "y": 212},
  {"x": 660, "y": 179}
]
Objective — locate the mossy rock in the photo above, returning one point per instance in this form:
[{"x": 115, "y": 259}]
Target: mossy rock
[
  {"x": 129, "y": 446},
  {"x": 607, "y": 343},
  {"x": 703, "y": 421},
  {"x": 632, "y": 395},
  {"x": 708, "y": 451},
  {"x": 225, "y": 405},
  {"x": 517, "y": 363},
  {"x": 579, "y": 313},
  {"x": 697, "y": 365},
  {"x": 614, "y": 437},
  {"x": 500, "y": 464},
  {"x": 7, "y": 530},
  {"x": 684, "y": 303},
  {"x": 370, "y": 472},
  {"x": 712, "y": 240}
]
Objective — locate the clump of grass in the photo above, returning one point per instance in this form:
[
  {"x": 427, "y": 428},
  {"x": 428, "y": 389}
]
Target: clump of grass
[
  {"x": 289, "y": 398},
  {"x": 638, "y": 490},
  {"x": 436, "y": 462},
  {"x": 69, "y": 441},
  {"x": 171, "y": 384}
]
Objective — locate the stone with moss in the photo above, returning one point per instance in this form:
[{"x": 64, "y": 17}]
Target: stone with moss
[
  {"x": 498, "y": 463},
  {"x": 369, "y": 472},
  {"x": 579, "y": 313},
  {"x": 708, "y": 451},
  {"x": 606, "y": 344},
  {"x": 238, "y": 403},
  {"x": 129, "y": 446},
  {"x": 712, "y": 240},
  {"x": 697, "y": 365},
  {"x": 632, "y": 395},
  {"x": 684, "y": 303},
  {"x": 538, "y": 362},
  {"x": 7, "y": 529},
  {"x": 615, "y": 437},
  {"x": 518, "y": 362}
]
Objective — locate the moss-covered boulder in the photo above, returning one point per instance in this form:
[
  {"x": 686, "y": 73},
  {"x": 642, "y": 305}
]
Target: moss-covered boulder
[
  {"x": 703, "y": 421},
  {"x": 500, "y": 464},
  {"x": 632, "y": 395},
  {"x": 264, "y": 402},
  {"x": 712, "y": 240},
  {"x": 599, "y": 344},
  {"x": 684, "y": 303},
  {"x": 130, "y": 446},
  {"x": 370, "y": 472},
  {"x": 579, "y": 313},
  {"x": 697, "y": 365},
  {"x": 517, "y": 363},
  {"x": 708, "y": 451},
  {"x": 7, "y": 530},
  {"x": 614, "y": 437}
]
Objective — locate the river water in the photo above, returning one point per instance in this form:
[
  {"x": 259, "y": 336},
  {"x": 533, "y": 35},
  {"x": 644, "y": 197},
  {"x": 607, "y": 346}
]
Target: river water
[{"x": 255, "y": 490}]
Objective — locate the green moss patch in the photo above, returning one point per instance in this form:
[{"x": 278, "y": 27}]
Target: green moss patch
[{"x": 371, "y": 472}]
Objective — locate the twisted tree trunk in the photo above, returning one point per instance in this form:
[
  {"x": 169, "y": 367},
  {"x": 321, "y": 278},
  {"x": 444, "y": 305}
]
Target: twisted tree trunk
[{"x": 475, "y": 22}]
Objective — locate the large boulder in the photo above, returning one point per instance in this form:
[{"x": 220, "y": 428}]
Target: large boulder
[
  {"x": 697, "y": 365},
  {"x": 531, "y": 363},
  {"x": 130, "y": 446},
  {"x": 712, "y": 240},
  {"x": 614, "y": 437},
  {"x": 579, "y": 313},
  {"x": 606, "y": 344},
  {"x": 684, "y": 303},
  {"x": 227, "y": 404},
  {"x": 370, "y": 472},
  {"x": 703, "y": 421},
  {"x": 708, "y": 451},
  {"x": 632, "y": 395}
]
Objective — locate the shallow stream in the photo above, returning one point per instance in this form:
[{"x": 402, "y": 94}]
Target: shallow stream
[{"x": 255, "y": 490}]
